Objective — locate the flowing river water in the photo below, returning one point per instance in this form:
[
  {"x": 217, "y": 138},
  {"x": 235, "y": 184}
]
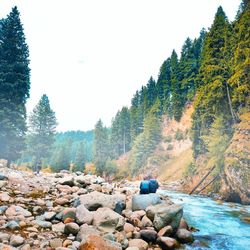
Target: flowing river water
[{"x": 222, "y": 226}]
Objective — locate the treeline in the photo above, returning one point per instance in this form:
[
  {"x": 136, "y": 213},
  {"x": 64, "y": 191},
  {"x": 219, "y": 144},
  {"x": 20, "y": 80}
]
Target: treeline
[
  {"x": 212, "y": 72},
  {"x": 32, "y": 141}
]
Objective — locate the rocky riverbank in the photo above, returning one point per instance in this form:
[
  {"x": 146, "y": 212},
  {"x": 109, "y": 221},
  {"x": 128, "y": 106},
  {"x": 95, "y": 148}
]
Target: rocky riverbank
[{"x": 77, "y": 211}]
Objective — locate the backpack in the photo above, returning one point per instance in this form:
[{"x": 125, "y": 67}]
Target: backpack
[
  {"x": 144, "y": 186},
  {"x": 153, "y": 185}
]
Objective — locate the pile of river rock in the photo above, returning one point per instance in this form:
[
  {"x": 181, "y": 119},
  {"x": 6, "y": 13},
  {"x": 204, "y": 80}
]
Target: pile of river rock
[{"x": 76, "y": 211}]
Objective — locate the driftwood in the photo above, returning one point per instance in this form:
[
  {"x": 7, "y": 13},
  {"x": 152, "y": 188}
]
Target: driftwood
[
  {"x": 207, "y": 174},
  {"x": 215, "y": 178}
]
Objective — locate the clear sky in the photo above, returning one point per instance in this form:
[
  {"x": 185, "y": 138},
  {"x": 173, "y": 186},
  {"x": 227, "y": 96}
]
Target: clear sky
[{"x": 91, "y": 56}]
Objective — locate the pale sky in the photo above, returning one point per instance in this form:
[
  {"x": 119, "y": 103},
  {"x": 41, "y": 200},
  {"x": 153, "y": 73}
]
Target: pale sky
[{"x": 91, "y": 56}]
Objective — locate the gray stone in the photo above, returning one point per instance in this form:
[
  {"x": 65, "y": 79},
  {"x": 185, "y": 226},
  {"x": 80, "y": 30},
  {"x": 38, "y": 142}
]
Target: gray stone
[
  {"x": 49, "y": 215},
  {"x": 43, "y": 224},
  {"x": 184, "y": 236},
  {"x": 106, "y": 220},
  {"x": 86, "y": 230},
  {"x": 58, "y": 228},
  {"x": 141, "y": 201},
  {"x": 69, "y": 180},
  {"x": 3, "y": 177},
  {"x": 71, "y": 228},
  {"x": 94, "y": 200},
  {"x": 164, "y": 215},
  {"x": 4, "y": 237},
  {"x": 69, "y": 213},
  {"x": 12, "y": 225},
  {"x": 83, "y": 215},
  {"x": 16, "y": 241}
]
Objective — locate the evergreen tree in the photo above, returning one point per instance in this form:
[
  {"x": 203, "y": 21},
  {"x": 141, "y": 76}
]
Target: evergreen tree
[
  {"x": 14, "y": 86},
  {"x": 42, "y": 128},
  {"x": 163, "y": 86},
  {"x": 239, "y": 81},
  {"x": 80, "y": 158},
  {"x": 212, "y": 99},
  {"x": 101, "y": 146},
  {"x": 176, "y": 100}
]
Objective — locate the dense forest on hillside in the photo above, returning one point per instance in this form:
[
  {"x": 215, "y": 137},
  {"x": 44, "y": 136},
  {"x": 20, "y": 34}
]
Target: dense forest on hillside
[{"x": 211, "y": 72}]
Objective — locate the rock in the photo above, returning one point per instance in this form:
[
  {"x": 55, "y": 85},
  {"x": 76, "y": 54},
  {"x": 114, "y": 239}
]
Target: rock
[
  {"x": 86, "y": 230},
  {"x": 140, "y": 202},
  {"x": 58, "y": 228},
  {"x": 12, "y": 225},
  {"x": 54, "y": 243},
  {"x": 3, "y": 184},
  {"x": 119, "y": 207},
  {"x": 3, "y": 177},
  {"x": 165, "y": 231},
  {"x": 165, "y": 215},
  {"x": 83, "y": 215},
  {"x": 146, "y": 222},
  {"x": 17, "y": 210},
  {"x": 94, "y": 200},
  {"x": 105, "y": 219},
  {"x": 71, "y": 228},
  {"x": 26, "y": 247},
  {"x": 141, "y": 244},
  {"x": 62, "y": 201},
  {"x": 69, "y": 213},
  {"x": 16, "y": 241},
  {"x": 3, "y": 209},
  {"x": 43, "y": 224},
  {"x": 149, "y": 235},
  {"x": 236, "y": 178},
  {"x": 183, "y": 224},
  {"x": 4, "y": 197},
  {"x": 95, "y": 187},
  {"x": 4, "y": 237},
  {"x": 93, "y": 242},
  {"x": 69, "y": 180},
  {"x": 184, "y": 236},
  {"x": 67, "y": 243},
  {"x": 49, "y": 215},
  {"x": 132, "y": 248},
  {"x": 128, "y": 228},
  {"x": 167, "y": 243}
]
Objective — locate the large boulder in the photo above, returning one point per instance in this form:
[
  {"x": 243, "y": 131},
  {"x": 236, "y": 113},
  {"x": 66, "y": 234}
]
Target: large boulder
[
  {"x": 106, "y": 220},
  {"x": 94, "y": 200},
  {"x": 163, "y": 215},
  {"x": 141, "y": 201}
]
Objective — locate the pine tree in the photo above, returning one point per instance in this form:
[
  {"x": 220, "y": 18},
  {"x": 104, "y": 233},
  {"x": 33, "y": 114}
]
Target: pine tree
[
  {"x": 163, "y": 86},
  {"x": 101, "y": 146},
  {"x": 80, "y": 158},
  {"x": 42, "y": 128},
  {"x": 212, "y": 98},
  {"x": 14, "y": 86},
  {"x": 176, "y": 100},
  {"x": 239, "y": 81}
]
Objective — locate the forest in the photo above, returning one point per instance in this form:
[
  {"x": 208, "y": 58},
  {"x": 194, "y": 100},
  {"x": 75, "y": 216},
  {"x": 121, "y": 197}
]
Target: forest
[{"x": 211, "y": 73}]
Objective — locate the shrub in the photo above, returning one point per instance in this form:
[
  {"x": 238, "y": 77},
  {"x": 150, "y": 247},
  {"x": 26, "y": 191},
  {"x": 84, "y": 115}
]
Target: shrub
[
  {"x": 168, "y": 138},
  {"x": 170, "y": 147},
  {"x": 179, "y": 135}
]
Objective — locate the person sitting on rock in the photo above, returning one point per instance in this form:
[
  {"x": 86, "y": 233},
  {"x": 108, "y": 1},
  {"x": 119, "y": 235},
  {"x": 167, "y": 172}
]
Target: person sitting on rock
[
  {"x": 144, "y": 186},
  {"x": 153, "y": 185}
]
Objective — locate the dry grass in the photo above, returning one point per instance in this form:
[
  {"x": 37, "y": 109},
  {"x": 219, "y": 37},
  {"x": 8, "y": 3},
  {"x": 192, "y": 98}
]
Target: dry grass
[{"x": 174, "y": 168}]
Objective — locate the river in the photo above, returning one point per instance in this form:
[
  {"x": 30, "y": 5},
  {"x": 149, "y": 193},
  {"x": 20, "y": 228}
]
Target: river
[{"x": 221, "y": 225}]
